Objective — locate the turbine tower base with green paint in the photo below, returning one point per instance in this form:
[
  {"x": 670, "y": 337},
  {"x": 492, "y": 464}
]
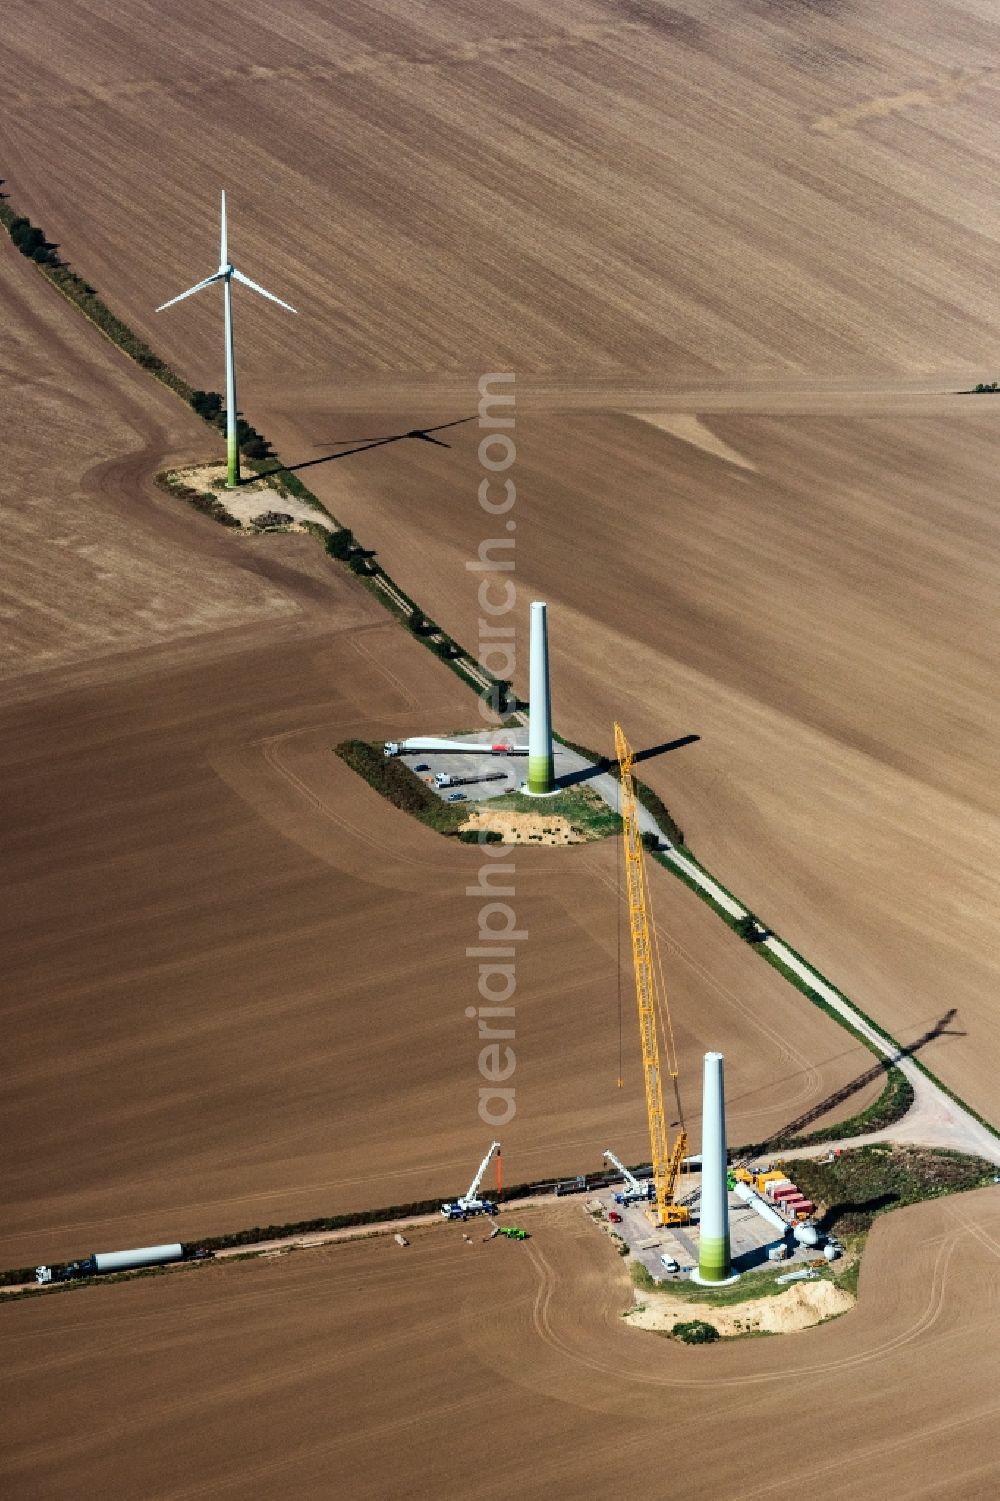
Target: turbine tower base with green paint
[
  {"x": 715, "y": 1267},
  {"x": 541, "y": 773}
]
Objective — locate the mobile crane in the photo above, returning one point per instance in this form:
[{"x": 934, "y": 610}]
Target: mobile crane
[
  {"x": 651, "y": 997},
  {"x": 470, "y": 1203},
  {"x": 635, "y": 1189}
]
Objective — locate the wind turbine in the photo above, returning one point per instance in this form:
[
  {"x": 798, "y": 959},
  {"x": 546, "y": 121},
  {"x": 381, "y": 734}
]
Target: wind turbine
[{"x": 227, "y": 273}]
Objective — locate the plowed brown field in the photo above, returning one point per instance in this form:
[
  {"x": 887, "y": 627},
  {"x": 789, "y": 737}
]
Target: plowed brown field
[
  {"x": 752, "y": 211},
  {"x": 822, "y": 613},
  {"x": 452, "y": 1370},
  {"x": 581, "y": 187},
  {"x": 235, "y": 981}
]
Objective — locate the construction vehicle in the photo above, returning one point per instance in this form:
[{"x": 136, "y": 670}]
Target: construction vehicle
[
  {"x": 445, "y": 778},
  {"x": 512, "y": 1232},
  {"x": 651, "y": 997},
  {"x": 470, "y": 1204},
  {"x": 635, "y": 1190},
  {"x": 119, "y": 1261},
  {"x": 577, "y": 1185}
]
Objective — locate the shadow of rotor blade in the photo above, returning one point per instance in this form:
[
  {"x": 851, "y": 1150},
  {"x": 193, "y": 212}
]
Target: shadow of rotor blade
[{"x": 413, "y": 432}]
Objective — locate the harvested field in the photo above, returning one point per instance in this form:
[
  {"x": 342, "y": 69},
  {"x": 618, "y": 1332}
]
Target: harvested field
[
  {"x": 820, "y": 615},
  {"x": 734, "y": 252},
  {"x": 583, "y": 190},
  {"x": 235, "y": 979},
  {"x": 767, "y": 233},
  {"x": 714, "y": 217},
  {"x": 97, "y": 563},
  {"x": 365, "y": 1369},
  {"x": 242, "y": 975}
]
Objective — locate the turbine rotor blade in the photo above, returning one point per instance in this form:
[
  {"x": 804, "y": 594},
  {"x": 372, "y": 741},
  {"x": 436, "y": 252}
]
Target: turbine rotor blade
[
  {"x": 238, "y": 276},
  {"x": 190, "y": 291},
  {"x": 223, "y": 237}
]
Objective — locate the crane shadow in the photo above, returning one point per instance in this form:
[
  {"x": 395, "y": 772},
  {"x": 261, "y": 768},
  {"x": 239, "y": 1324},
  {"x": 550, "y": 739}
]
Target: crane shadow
[
  {"x": 662, "y": 750},
  {"x": 880, "y": 1069},
  {"x": 364, "y": 445},
  {"x": 867, "y": 1208},
  {"x": 608, "y": 763}
]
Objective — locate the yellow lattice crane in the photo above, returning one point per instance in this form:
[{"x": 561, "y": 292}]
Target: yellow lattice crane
[{"x": 651, "y": 996}]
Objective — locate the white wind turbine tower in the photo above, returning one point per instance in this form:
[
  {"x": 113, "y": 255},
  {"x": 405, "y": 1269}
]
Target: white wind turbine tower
[{"x": 227, "y": 273}]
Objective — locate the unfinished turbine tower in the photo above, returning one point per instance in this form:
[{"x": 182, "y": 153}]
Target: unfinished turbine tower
[
  {"x": 227, "y": 273},
  {"x": 715, "y": 1265},
  {"x": 541, "y": 775}
]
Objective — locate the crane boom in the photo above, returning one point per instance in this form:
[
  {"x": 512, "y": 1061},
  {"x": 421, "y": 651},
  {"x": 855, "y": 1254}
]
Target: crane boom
[
  {"x": 629, "y": 1177},
  {"x": 634, "y": 1188},
  {"x": 474, "y": 1185},
  {"x": 666, "y": 1161}
]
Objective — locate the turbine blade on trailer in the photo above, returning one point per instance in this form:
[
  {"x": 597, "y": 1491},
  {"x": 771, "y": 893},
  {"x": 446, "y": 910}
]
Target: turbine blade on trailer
[
  {"x": 191, "y": 291},
  {"x": 223, "y": 237},
  {"x": 238, "y": 276}
]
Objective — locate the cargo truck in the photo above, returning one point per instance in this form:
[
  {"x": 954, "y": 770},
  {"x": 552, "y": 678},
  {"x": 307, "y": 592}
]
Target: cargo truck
[{"x": 119, "y": 1261}]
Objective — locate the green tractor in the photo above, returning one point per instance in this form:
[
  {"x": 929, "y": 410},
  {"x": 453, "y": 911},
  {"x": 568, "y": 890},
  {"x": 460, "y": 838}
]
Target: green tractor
[{"x": 512, "y": 1232}]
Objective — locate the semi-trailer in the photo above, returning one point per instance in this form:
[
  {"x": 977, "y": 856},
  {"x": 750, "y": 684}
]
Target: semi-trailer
[
  {"x": 119, "y": 1261},
  {"x": 576, "y": 1185},
  {"x": 445, "y": 778},
  {"x": 419, "y": 745}
]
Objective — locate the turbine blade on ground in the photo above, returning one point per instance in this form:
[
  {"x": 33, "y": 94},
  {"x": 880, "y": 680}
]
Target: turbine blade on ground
[
  {"x": 190, "y": 291},
  {"x": 238, "y": 276}
]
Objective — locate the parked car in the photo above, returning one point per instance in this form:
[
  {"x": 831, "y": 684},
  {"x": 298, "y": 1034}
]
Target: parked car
[
  {"x": 456, "y": 797},
  {"x": 614, "y": 1216},
  {"x": 669, "y": 1264},
  {"x": 422, "y": 766}
]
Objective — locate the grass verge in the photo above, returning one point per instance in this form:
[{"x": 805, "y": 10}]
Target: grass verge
[
  {"x": 855, "y": 1188},
  {"x": 750, "y": 1286},
  {"x": 400, "y": 786}
]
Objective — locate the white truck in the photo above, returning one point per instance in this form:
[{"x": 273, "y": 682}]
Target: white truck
[
  {"x": 445, "y": 778},
  {"x": 470, "y": 1203},
  {"x": 636, "y": 1191}
]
